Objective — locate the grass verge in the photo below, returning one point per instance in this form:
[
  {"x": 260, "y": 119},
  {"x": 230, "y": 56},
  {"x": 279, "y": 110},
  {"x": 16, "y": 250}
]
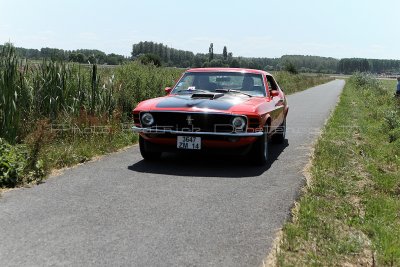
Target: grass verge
[
  {"x": 349, "y": 214},
  {"x": 70, "y": 151},
  {"x": 292, "y": 83}
]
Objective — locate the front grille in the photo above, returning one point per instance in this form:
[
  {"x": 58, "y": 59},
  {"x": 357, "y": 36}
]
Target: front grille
[
  {"x": 186, "y": 121},
  {"x": 254, "y": 123},
  {"x": 136, "y": 119}
]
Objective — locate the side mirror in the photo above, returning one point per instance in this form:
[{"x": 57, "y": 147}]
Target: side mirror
[
  {"x": 168, "y": 90},
  {"x": 274, "y": 93}
]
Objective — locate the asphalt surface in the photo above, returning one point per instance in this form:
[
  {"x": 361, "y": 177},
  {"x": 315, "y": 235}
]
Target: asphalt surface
[{"x": 182, "y": 211}]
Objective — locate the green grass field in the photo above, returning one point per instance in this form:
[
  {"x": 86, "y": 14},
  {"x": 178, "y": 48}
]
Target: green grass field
[{"x": 349, "y": 213}]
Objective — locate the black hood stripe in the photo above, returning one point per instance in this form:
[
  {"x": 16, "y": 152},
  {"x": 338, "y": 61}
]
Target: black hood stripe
[{"x": 222, "y": 103}]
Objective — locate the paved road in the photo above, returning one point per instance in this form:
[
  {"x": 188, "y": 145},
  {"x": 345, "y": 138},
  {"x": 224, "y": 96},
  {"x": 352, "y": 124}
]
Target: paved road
[{"x": 184, "y": 211}]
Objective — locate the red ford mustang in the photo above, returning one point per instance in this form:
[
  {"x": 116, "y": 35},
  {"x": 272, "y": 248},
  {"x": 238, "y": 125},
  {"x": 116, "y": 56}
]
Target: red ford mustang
[{"x": 227, "y": 110}]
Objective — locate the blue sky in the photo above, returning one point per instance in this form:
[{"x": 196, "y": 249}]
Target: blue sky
[{"x": 254, "y": 28}]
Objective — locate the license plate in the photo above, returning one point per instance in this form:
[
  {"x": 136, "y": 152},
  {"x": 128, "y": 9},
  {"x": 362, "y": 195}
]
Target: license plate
[{"x": 188, "y": 142}]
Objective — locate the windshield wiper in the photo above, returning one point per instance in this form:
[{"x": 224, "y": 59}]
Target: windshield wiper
[{"x": 232, "y": 91}]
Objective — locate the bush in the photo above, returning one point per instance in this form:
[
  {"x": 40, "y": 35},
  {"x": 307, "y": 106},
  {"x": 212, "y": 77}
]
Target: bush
[
  {"x": 150, "y": 59},
  {"x": 291, "y": 68},
  {"x": 17, "y": 166},
  {"x": 364, "y": 81},
  {"x": 13, "y": 162}
]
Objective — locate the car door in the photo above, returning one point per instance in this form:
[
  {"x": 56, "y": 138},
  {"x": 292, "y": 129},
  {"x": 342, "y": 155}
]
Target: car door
[{"x": 278, "y": 102}]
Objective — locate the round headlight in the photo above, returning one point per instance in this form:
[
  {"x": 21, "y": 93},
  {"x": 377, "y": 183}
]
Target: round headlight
[
  {"x": 147, "y": 119},
  {"x": 238, "y": 123}
]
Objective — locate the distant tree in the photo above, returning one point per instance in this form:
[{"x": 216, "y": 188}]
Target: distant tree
[
  {"x": 168, "y": 56},
  {"x": 199, "y": 59},
  {"x": 234, "y": 64},
  {"x": 269, "y": 68},
  {"x": 53, "y": 53},
  {"x": 28, "y": 53},
  {"x": 73, "y": 57},
  {"x": 80, "y": 58},
  {"x": 230, "y": 56},
  {"x": 216, "y": 63},
  {"x": 114, "y": 59},
  {"x": 211, "y": 52},
  {"x": 290, "y": 67},
  {"x": 351, "y": 65},
  {"x": 146, "y": 47},
  {"x": 160, "y": 51},
  {"x": 91, "y": 59},
  {"x": 141, "y": 47},
  {"x": 150, "y": 59},
  {"x": 225, "y": 53},
  {"x": 253, "y": 64}
]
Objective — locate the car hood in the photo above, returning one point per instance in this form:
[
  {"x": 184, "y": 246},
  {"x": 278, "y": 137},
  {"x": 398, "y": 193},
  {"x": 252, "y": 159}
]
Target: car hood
[{"x": 222, "y": 103}]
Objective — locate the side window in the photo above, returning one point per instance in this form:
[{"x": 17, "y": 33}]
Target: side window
[{"x": 271, "y": 83}]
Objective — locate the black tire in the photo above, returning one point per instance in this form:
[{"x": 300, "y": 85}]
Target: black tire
[
  {"x": 280, "y": 134},
  {"x": 146, "y": 151},
  {"x": 259, "y": 153}
]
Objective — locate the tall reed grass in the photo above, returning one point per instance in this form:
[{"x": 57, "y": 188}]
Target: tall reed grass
[
  {"x": 10, "y": 90},
  {"x": 58, "y": 91}
]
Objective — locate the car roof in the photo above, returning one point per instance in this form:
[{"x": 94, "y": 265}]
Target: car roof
[{"x": 243, "y": 70}]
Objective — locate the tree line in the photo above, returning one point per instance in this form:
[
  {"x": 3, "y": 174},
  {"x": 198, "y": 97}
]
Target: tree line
[
  {"x": 380, "y": 66},
  {"x": 180, "y": 58},
  {"x": 162, "y": 55},
  {"x": 79, "y": 56},
  {"x": 167, "y": 56}
]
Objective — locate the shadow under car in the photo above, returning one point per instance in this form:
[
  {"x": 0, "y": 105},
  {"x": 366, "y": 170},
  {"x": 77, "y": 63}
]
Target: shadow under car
[{"x": 208, "y": 165}]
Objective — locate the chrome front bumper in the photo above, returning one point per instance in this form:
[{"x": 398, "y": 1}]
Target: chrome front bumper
[{"x": 165, "y": 131}]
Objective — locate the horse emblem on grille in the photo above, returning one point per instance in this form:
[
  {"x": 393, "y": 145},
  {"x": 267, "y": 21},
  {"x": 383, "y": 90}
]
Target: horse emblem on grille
[{"x": 189, "y": 120}]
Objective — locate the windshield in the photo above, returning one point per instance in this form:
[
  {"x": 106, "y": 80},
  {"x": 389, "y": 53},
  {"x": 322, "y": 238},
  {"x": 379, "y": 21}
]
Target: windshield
[{"x": 247, "y": 83}]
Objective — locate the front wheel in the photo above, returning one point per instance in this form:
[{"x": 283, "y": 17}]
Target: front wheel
[
  {"x": 146, "y": 151},
  {"x": 259, "y": 152},
  {"x": 280, "y": 134}
]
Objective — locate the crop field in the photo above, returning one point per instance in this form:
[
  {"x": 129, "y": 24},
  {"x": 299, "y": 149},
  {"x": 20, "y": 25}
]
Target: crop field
[
  {"x": 348, "y": 214},
  {"x": 55, "y": 114}
]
